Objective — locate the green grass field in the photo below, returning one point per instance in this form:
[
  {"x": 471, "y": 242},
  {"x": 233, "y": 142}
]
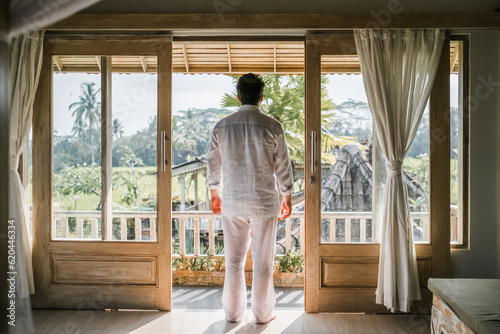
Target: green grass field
[{"x": 147, "y": 189}]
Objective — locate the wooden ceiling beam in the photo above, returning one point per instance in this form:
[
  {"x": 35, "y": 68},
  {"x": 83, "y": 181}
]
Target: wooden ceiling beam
[
  {"x": 98, "y": 60},
  {"x": 454, "y": 57},
  {"x": 294, "y": 23},
  {"x": 229, "y": 57},
  {"x": 186, "y": 62},
  {"x": 144, "y": 64},
  {"x": 274, "y": 58},
  {"x": 59, "y": 63}
]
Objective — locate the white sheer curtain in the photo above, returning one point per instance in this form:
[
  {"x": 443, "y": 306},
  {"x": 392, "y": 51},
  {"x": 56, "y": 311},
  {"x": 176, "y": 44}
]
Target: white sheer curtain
[
  {"x": 398, "y": 68},
  {"x": 25, "y": 66}
]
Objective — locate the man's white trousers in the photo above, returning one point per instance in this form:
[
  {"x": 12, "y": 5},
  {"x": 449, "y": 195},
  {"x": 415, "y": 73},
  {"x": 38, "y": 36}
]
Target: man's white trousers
[{"x": 239, "y": 233}]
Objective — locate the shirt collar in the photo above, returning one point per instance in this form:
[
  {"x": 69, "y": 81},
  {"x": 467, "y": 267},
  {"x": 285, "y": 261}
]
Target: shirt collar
[{"x": 249, "y": 107}]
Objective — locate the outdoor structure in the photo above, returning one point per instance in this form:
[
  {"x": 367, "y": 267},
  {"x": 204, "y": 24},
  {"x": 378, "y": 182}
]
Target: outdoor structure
[{"x": 189, "y": 171}]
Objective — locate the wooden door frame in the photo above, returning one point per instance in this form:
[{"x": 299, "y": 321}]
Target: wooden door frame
[
  {"x": 316, "y": 44},
  {"x": 434, "y": 257},
  {"x": 228, "y": 22},
  {"x": 47, "y": 293}
]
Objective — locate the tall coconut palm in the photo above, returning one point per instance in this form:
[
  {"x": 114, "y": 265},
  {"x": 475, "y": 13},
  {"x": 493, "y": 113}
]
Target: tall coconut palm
[
  {"x": 87, "y": 111},
  {"x": 117, "y": 128},
  {"x": 284, "y": 100},
  {"x": 192, "y": 129},
  {"x": 79, "y": 128},
  {"x": 192, "y": 123}
]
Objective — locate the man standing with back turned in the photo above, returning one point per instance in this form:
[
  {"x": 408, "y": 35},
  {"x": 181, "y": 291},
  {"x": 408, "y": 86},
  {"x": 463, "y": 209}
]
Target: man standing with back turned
[{"x": 251, "y": 150}]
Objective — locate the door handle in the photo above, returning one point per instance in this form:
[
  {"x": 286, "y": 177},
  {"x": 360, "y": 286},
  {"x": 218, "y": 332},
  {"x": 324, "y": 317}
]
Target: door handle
[
  {"x": 313, "y": 151},
  {"x": 163, "y": 158}
]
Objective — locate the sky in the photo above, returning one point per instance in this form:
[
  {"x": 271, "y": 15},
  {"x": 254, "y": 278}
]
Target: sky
[{"x": 135, "y": 95}]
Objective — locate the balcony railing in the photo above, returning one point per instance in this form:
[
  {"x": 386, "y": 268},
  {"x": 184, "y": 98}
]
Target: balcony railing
[
  {"x": 203, "y": 224},
  {"x": 88, "y": 225}
]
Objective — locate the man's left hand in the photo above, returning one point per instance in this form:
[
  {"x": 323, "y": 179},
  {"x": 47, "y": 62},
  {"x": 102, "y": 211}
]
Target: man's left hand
[{"x": 216, "y": 201}]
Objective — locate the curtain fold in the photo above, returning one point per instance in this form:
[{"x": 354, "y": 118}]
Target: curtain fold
[
  {"x": 398, "y": 68},
  {"x": 25, "y": 66}
]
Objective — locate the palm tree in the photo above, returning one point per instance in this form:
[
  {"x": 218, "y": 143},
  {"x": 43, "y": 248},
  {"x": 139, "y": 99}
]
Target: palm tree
[
  {"x": 87, "y": 112},
  {"x": 182, "y": 143},
  {"x": 192, "y": 123},
  {"x": 117, "y": 128},
  {"x": 79, "y": 128},
  {"x": 284, "y": 100},
  {"x": 143, "y": 143},
  {"x": 192, "y": 130}
]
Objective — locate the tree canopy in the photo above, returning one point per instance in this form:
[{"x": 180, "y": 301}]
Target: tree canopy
[
  {"x": 87, "y": 114},
  {"x": 284, "y": 100}
]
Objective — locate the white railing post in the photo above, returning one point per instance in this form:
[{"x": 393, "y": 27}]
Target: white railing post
[
  {"x": 288, "y": 234},
  {"x": 459, "y": 227},
  {"x": 152, "y": 228},
  {"x": 362, "y": 230},
  {"x": 182, "y": 237},
  {"x": 137, "y": 229},
  {"x": 211, "y": 236},
  {"x": 79, "y": 227},
  {"x": 333, "y": 229},
  {"x": 347, "y": 229},
  {"x": 94, "y": 228},
  {"x": 54, "y": 228},
  {"x": 196, "y": 236},
  {"x": 454, "y": 229},
  {"x": 123, "y": 228},
  {"x": 64, "y": 227},
  {"x": 427, "y": 228}
]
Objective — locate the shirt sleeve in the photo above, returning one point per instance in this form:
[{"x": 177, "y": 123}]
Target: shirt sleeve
[
  {"x": 282, "y": 164},
  {"x": 214, "y": 164}
]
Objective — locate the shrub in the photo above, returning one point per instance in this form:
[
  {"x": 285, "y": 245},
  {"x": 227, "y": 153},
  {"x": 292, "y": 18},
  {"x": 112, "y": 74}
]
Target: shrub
[{"x": 291, "y": 262}]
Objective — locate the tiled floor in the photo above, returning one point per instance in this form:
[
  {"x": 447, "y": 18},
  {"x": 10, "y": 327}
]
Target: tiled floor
[{"x": 199, "y": 310}]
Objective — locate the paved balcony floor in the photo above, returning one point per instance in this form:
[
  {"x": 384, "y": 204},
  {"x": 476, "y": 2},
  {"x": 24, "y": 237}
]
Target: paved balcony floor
[
  {"x": 210, "y": 298},
  {"x": 199, "y": 310}
]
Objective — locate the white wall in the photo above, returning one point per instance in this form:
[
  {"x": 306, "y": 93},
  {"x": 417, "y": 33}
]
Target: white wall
[
  {"x": 483, "y": 258},
  {"x": 288, "y": 6}
]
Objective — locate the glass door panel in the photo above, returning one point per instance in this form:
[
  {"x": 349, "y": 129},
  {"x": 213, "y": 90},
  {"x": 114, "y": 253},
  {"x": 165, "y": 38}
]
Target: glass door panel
[
  {"x": 353, "y": 166},
  {"x": 346, "y": 161},
  {"x": 76, "y": 141},
  {"x": 134, "y": 157}
]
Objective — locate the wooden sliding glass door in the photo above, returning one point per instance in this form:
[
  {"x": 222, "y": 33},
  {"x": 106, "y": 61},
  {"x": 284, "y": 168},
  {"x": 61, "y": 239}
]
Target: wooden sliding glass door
[
  {"x": 344, "y": 178},
  {"x": 102, "y": 174}
]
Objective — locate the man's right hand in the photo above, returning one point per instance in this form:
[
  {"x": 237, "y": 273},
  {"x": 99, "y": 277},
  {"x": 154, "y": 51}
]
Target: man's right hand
[
  {"x": 286, "y": 207},
  {"x": 216, "y": 201}
]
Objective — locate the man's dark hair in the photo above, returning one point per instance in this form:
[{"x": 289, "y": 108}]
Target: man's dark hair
[{"x": 250, "y": 88}]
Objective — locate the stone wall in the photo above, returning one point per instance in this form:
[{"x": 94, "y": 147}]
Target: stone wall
[{"x": 216, "y": 278}]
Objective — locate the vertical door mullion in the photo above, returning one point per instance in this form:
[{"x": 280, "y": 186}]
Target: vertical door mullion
[
  {"x": 312, "y": 179},
  {"x": 106, "y": 150},
  {"x": 42, "y": 181},
  {"x": 439, "y": 166},
  {"x": 164, "y": 168}
]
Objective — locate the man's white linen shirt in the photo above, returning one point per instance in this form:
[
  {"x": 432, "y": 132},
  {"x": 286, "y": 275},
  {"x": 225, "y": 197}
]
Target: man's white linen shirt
[{"x": 250, "y": 149}]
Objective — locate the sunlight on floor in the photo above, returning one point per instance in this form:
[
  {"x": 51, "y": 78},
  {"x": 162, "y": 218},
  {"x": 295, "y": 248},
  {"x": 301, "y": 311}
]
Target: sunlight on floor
[{"x": 199, "y": 310}]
